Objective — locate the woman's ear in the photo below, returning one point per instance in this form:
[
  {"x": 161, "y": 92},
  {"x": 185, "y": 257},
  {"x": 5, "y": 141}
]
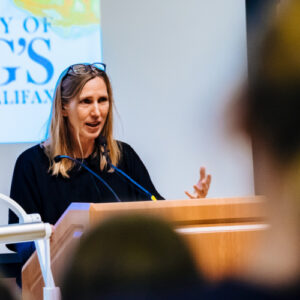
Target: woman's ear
[{"x": 64, "y": 111}]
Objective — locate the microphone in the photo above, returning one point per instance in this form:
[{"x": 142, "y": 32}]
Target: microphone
[
  {"x": 58, "y": 158},
  {"x": 102, "y": 141}
]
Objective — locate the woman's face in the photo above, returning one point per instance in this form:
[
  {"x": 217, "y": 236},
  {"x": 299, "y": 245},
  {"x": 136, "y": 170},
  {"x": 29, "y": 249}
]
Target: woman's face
[{"x": 87, "y": 113}]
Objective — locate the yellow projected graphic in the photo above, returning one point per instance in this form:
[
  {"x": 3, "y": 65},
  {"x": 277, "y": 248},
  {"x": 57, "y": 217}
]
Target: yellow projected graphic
[{"x": 64, "y": 13}]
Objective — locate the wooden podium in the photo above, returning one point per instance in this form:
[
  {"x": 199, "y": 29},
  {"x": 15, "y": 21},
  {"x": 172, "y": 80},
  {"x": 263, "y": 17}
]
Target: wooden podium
[{"x": 220, "y": 232}]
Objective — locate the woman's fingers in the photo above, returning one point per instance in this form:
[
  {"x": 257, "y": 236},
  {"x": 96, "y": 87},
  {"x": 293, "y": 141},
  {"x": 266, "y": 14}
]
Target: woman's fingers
[
  {"x": 202, "y": 187},
  {"x": 208, "y": 180},
  {"x": 202, "y": 173},
  {"x": 189, "y": 195},
  {"x": 201, "y": 192}
]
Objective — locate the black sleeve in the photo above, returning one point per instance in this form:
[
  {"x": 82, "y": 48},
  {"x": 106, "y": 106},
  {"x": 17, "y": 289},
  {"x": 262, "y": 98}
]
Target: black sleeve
[
  {"x": 24, "y": 191},
  {"x": 138, "y": 171},
  {"x": 24, "y": 187}
]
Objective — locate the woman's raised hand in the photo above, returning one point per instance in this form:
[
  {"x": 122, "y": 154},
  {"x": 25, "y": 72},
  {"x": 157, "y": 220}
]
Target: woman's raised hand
[{"x": 202, "y": 186}]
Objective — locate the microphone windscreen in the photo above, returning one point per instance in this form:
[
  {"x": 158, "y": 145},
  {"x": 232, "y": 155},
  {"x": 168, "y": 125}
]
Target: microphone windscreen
[{"x": 57, "y": 158}]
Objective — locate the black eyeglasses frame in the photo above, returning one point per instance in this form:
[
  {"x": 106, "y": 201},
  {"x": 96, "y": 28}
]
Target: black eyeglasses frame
[{"x": 84, "y": 68}]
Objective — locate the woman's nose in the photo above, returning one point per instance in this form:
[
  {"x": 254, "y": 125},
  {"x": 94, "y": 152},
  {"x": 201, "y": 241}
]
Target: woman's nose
[{"x": 96, "y": 109}]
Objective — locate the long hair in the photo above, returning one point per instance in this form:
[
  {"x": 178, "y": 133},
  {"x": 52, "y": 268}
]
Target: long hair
[{"x": 61, "y": 141}]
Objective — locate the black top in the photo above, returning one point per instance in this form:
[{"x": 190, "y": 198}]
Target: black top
[
  {"x": 37, "y": 191},
  {"x": 235, "y": 290}
]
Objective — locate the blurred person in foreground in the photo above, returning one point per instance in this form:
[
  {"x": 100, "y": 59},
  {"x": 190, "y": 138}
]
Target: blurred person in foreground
[
  {"x": 132, "y": 257},
  {"x": 5, "y": 293},
  {"x": 269, "y": 107}
]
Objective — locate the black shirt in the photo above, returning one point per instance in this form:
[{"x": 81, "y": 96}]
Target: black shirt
[
  {"x": 231, "y": 289},
  {"x": 38, "y": 191}
]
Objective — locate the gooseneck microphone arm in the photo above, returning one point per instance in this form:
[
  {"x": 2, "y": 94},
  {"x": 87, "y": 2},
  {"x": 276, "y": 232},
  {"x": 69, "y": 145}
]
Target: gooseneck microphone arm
[
  {"x": 152, "y": 197},
  {"x": 58, "y": 158},
  {"x": 102, "y": 141}
]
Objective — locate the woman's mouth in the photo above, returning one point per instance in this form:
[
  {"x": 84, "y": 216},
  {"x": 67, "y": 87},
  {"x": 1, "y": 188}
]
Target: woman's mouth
[{"x": 93, "y": 124}]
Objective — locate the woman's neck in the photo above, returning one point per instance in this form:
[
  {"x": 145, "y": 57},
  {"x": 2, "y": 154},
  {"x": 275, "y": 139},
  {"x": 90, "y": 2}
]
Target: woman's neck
[{"x": 87, "y": 149}]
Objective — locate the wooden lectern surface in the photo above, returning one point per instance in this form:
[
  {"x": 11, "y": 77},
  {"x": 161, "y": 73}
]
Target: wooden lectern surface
[{"x": 220, "y": 233}]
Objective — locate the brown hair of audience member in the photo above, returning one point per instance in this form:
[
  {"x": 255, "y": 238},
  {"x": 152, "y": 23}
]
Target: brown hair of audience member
[
  {"x": 272, "y": 103},
  {"x": 270, "y": 109},
  {"x": 131, "y": 253},
  {"x": 5, "y": 292}
]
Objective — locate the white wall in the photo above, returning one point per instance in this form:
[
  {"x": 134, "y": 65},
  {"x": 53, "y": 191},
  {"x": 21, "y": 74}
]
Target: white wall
[{"x": 172, "y": 65}]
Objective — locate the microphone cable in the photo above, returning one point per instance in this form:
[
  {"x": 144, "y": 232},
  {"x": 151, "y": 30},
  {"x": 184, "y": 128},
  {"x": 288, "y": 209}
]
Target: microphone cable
[
  {"x": 102, "y": 141},
  {"x": 58, "y": 158}
]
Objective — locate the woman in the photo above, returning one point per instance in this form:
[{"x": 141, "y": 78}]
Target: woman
[{"x": 82, "y": 111}]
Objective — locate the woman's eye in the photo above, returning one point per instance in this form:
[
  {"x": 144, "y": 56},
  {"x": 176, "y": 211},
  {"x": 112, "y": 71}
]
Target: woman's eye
[
  {"x": 85, "y": 101},
  {"x": 102, "y": 99}
]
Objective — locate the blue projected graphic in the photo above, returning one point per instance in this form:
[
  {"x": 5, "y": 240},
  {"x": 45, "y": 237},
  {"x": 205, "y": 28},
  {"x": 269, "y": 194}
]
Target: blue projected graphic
[{"x": 39, "y": 39}]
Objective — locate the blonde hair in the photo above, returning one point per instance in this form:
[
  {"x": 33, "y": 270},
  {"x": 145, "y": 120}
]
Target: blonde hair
[{"x": 61, "y": 141}]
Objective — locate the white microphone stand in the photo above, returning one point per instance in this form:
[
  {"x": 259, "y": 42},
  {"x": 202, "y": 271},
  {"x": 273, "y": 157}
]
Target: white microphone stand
[{"x": 31, "y": 228}]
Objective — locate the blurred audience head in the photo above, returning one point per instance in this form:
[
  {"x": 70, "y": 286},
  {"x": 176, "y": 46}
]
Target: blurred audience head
[
  {"x": 129, "y": 255},
  {"x": 5, "y": 292},
  {"x": 272, "y": 98}
]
